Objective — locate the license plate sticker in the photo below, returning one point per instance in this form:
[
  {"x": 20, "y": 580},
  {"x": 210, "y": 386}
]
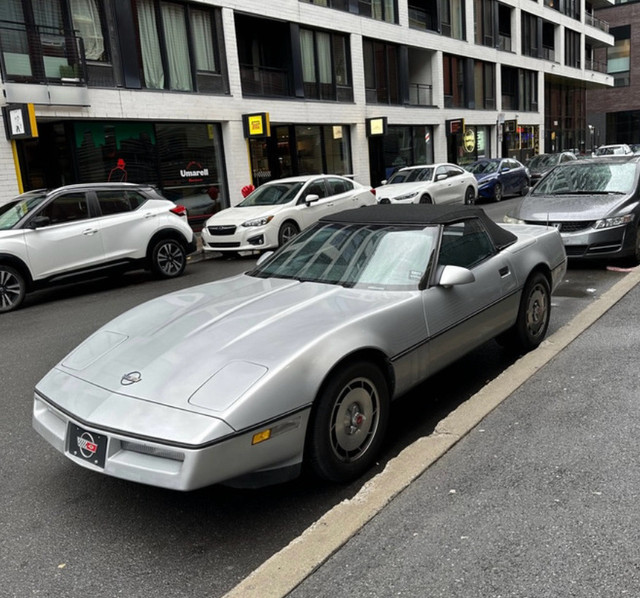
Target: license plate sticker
[{"x": 88, "y": 446}]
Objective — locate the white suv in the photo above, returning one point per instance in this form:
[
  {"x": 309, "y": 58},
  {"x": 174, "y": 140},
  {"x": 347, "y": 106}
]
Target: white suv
[{"x": 76, "y": 231}]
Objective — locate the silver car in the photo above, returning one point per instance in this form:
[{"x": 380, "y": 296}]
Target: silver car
[{"x": 244, "y": 380}]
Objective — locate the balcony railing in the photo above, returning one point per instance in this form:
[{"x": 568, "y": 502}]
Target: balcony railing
[
  {"x": 420, "y": 94},
  {"x": 596, "y": 22},
  {"x": 41, "y": 55},
  {"x": 548, "y": 53},
  {"x": 421, "y": 19},
  {"x": 504, "y": 43},
  {"x": 595, "y": 65},
  {"x": 264, "y": 81}
]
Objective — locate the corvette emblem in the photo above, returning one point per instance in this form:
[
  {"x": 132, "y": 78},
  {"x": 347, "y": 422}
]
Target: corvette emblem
[
  {"x": 131, "y": 378},
  {"x": 87, "y": 445}
]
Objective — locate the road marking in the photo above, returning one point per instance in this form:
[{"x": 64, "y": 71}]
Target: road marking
[{"x": 289, "y": 567}]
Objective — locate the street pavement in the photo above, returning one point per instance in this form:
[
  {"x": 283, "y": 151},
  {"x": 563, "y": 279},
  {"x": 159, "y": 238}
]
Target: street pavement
[{"x": 537, "y": 498}]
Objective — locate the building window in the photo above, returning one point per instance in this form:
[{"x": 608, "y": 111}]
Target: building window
[
  {"x": 423, "y": 14},
  {"x": 175, "y": 41},
  {"x": 381, "y": 72},
  {"x": 572, "y": 48},
  {"x": 519, "y": 89},
  {"x": 88, "y": 22},
  {"x": 454, "y": 92},
  {"x": 381, "y": 10},
  {"x": 485, "y": 22},
  {"x": 484, "y": 85},
  {"x": 530, "y": 28},
  {"x": 618, "y": 56},
  {"x": 325, "y": 65},
  {"x": 452, "y": 19}
]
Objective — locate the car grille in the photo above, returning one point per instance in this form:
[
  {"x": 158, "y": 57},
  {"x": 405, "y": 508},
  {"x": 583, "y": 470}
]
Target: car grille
[
  {"x": 227, "y": 245},
  {"x": 567, "y": 227},
  {"x": 229, "y": 229}
]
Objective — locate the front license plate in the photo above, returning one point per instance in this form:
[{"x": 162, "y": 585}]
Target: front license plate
[{"x": 88, "y": 446}]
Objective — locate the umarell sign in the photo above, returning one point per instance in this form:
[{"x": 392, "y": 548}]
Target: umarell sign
[{"x": 194, "y": 173}]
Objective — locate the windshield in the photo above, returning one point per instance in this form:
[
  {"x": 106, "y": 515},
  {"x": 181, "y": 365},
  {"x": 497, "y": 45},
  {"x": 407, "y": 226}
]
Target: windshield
[
  {"x": 610, "y": 150},
  {"x": 12, "y": 212},
  {"x": 272, "y": 194},
  {"x": 482, "y": 167},
  {"x": 354, "y": 255},
  {"x": 586, "y": 178},
  {"x": 408, "y": 176},
  {"x": 543, "y": 161}
]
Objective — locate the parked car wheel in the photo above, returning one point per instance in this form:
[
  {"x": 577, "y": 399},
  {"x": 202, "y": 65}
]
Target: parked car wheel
[
  {"x": 470, "y": 196},
  {"x": 349, "y": 423},
  {"x": 12, "y": 288},
  {"x": 168, "y": 258},
  {"x": 524, "y": 188},
  {"x": 533, "y": 316},
  {"x": 497, "y": 192},
  {"x": 426, "y": 198},
  {"x": 287, "y": 231}
]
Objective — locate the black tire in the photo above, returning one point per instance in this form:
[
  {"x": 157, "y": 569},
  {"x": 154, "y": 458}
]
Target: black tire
[
  {"x": 288, "y": 230},
  {"x": 524, "y": 189},
  {"x": 168, "y": 258},
  {"x": 13, "y": 288},
  {"x": 349, "y": 423},
  {"x": 636, "y": 253},
  {"x": 533, "y": 316},
  {"x": 497, "y": 192},
  {"x": 426, "y": 198},
  {"x": 470, "y": 196}
]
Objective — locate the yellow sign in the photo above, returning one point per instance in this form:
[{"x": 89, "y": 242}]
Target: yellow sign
[
  {"x": 256, "y": 125},
  {"x": 376, "y": 126},
  {"x": 469, "y": 140}
]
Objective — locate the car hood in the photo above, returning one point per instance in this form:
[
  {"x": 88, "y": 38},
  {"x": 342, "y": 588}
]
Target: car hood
[
  {"x": 569, "y": 207},
  {"x": 239, "y": 330},
  {"x": 394, "y": 190},
  {"x": 239, "y": 215}
]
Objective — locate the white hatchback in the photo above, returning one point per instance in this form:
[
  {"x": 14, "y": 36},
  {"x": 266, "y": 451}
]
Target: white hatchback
[
  {"x": 85, "y": 231},
  {"x": 278, "y": 210},
  {"x": 429, "y": 183}
]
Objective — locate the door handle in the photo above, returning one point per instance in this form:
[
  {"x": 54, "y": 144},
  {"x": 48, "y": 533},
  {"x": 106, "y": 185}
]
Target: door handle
[
  {"x": 90, "y": 231},
  {"x": 150, "y": 215}
]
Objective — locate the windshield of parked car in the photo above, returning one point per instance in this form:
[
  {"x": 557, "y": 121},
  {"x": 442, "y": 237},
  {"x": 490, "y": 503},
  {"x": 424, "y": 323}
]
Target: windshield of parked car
[
  {"x": 411, "y": 175},
  {"x": 272, "y": 194},
  {"x": 353, "y": 255},
  {"x": 610, "y": 150},
  {"x": 12, "y": 212},
  {"x": 543, "y": 161},
  {"x": 588, "y": 178},
  {"x": 482, "y": 167}
]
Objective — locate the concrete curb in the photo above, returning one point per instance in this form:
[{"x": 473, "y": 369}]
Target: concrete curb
[{"x": 286, "y": 569}]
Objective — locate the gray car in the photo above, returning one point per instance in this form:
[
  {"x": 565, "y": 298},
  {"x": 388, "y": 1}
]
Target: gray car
[
  {"x": 593, "y": 203},
  {"x": 244, "y": 380}
]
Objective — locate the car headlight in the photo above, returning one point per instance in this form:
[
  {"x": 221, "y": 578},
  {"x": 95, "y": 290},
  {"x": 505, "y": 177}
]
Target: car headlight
[
  {"x": 258, "y": 221},
  {"x": 508, "y": 219},
  {"x": 484, "y": 184},
  {"x": 407, "y": 195},
  {"x": 614, "y": 221}
]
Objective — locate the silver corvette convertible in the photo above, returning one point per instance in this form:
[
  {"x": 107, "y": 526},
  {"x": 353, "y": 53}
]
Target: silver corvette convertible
[{"x": 244, "y": 380}]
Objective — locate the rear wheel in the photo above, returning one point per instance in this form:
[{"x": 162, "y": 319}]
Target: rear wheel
[
  {"x": 470, "y": 196},
  {"x": 349, "y": 423},
  {"x": 497, "y": 192},
  {"x": 533, "y": 316},
  {"x": 636, "y": 255},
  {"x": 287, "y": 231},
  {"x": 13, "y": 288},
  {"x": 168, "y": 258}
]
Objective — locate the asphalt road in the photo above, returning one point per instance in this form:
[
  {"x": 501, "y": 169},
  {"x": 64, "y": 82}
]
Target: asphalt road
[{"x": 68, "y": 532}]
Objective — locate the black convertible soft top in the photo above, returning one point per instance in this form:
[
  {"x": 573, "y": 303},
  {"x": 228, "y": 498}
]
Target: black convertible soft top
[{"x": 423, "y": 214}]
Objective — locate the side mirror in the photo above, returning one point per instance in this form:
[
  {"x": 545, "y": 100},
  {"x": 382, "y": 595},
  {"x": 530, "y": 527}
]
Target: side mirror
[
  {"x": 384, "y": 182},
  {"x": 264, "y": 257},
  {"x": 441, "y": 177},
  {"x": 309, "y": 199},
  {"x": 39, "y": 222},
  {"x": 455, "y": 275}
]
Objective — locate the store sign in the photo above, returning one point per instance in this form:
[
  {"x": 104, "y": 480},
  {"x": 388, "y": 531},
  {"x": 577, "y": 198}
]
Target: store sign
[
  {"x": 376, "y": 126},
  {"x": 256, "y": 125},
  {"x": 469, "y": 140},
  {"x": 510, "y": 126},
  {"x": 194, "y": 173},
  {"x": 455, "y": 126},
  {"x": 19, "y": 121}
]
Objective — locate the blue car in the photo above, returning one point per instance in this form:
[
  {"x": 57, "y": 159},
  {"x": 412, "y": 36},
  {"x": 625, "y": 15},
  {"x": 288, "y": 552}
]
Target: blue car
[{"x": 498, "y": 177}]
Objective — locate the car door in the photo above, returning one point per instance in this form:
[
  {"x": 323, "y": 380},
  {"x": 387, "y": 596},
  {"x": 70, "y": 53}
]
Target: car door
[
  {"x": 69, "y": 240},
  {"x": 457, "y": 186},
  {"x": 127, "y": 223},
  {"x": 439, "y": 188},
  {"x": 310, "y": 213},
  {"x": 464, "y": 316}
]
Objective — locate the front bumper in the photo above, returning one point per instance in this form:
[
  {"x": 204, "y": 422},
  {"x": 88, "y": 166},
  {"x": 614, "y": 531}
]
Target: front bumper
[
  {"x": 176, "y": 466},
  {"x": 239, "y": 238}
]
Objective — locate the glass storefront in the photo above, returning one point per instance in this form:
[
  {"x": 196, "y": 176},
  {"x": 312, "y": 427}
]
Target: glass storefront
[
  {"x": 474, "y": 144},
  {"x": 300, "y": 149},
  {"x": 523, "y": 143}
]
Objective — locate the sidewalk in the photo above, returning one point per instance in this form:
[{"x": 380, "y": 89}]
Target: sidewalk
[{"x": 539, "y": 499}]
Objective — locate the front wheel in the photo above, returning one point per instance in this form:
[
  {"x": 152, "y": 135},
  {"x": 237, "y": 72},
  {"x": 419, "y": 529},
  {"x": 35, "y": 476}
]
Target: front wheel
[
  {"x": 470, "y": 197},
  {"x": 287, "y": 231},
  {"x": 168, "y": 258},
  {"x": 13, "y": 288},
  {"x": 349, "y": 423},
  {"x": 426, "y": 198},
  {"x": 497, "y": 192},
  {"x": 533, "y": 316}
]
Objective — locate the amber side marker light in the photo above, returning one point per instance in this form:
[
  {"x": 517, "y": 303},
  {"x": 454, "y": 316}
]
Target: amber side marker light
[{"x": 261, "y": 436}]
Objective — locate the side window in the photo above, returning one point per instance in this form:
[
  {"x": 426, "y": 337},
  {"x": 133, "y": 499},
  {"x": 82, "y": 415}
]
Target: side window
[
  {"x": 453, "y": 171},
  {"x": 441, "y": 170},
  {"x": 337, "y": 186},
  {"x": 464, "y": 244},
  {"x": 114, "y": 201},
  {"x": 67, "y": 208},
  {"x": 315, "y": 188}
]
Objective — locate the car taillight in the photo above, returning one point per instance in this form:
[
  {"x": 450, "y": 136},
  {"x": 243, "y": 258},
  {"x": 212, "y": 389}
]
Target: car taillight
[
  {"x": 180, "y": 210},
  {"x": 373, "y": 191}
]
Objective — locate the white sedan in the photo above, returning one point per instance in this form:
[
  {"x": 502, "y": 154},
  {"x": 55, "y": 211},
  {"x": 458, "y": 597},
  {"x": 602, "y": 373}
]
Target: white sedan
[
  {"x": 429, "y": 183},
  {"x": 278, "y": 210}
]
